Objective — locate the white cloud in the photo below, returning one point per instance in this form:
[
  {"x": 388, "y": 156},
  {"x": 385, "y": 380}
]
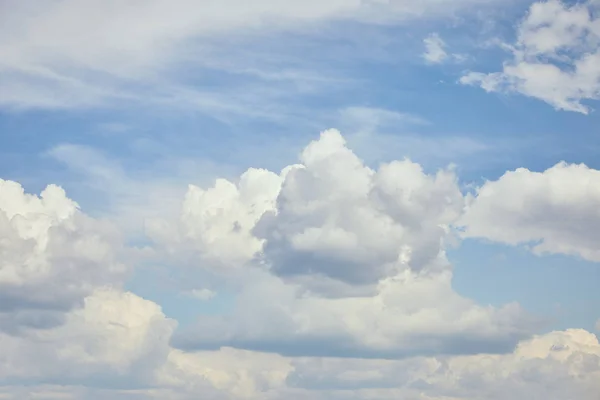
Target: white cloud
[
  {"x": 556, "y": 57},
  {"x": 112, "y": 335},
  {"x": 109, "y": 343},
  {"x": 435, "y": 49},
  {"x": 557, "y": 211},
  {"x": 71, "y": 53},
  {"x": 52, "y": 256},
  {"x": 330, "y": 216},
  {"x": 202, "y": 294}
]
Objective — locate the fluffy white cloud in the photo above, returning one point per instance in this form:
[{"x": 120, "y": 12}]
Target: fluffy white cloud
[
  {"x": 113, "y": 335},
  {"x": 557, "y": 211},
  {"x": 117, "y": 345},
  {"x": 333, "y": 257},
  {"x": 216, "y": 223},
  {"x": 340, "y": 220},
  {"x": 556, "y": 57},
  {"x": 402, "y": 329},
  {"x": 51, "y": 256},
  {"x": 329, "y": 217}
]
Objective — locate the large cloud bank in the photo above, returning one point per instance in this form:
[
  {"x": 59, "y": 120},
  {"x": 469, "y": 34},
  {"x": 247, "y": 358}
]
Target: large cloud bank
[{"x": 340, "y": 283}]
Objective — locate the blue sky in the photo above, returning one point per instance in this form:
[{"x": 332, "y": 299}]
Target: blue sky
[{"x": 137, "y": 109}]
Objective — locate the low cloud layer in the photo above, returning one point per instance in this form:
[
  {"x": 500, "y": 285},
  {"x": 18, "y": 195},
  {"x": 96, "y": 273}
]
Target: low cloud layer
[{"x": 341, "y": 289}]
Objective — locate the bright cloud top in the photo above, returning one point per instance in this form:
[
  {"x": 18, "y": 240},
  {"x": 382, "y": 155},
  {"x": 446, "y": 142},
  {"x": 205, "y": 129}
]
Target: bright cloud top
[
  {"x": 338, "y": 259},
  {"x": 557, "y": 211},
  {"x": 52, "y": 256}
]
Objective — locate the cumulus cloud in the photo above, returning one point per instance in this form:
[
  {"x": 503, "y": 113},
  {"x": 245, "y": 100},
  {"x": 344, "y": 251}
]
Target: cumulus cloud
[
  {"x": 337, "y": 218},
  {"x": 553, "y": 366},
  {"x": 555, "y": 211},
  {"x": 556, "y": 57},
  {"x": 117, "y": 345},
  {"x": 51, "y": 256},
  {"x": 314, "y": 317},
  {"x": 113, "y": 334},
  {"x": 336, "y": 258},
  {"x": 330, "y": 216}
]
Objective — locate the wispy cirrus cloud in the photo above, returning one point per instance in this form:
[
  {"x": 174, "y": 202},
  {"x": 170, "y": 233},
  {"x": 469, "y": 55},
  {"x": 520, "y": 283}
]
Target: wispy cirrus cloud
[{"x": 74, "y": 54}]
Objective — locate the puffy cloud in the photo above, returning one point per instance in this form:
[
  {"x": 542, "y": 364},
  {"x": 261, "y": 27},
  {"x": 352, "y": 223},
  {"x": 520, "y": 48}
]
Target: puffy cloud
[
  {"x": 329, "y": 217},
  {"x": 113, "y": 335},
  {"x": 335, "y": 258},
  {"x": 117, "y": 346},
  {"x": 51, "y": 256},
  {"x": 557, "y": 211},
  {"x": 402, "y": 330},
  {"x": 411, "y": 314},
  {"x": 216, "y": 223},
  {"x": 339, "y": 219},
  {"x": 556, "y": 57}
]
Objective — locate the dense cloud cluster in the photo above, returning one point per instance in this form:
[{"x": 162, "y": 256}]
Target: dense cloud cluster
[
  {"x": 51, "y": 257},
  {"x": 340, "y": 281},
  {"x": 339, "y": 259}
]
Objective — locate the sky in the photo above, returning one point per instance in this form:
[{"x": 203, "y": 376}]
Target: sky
[{"x": 333, "y": 199}]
